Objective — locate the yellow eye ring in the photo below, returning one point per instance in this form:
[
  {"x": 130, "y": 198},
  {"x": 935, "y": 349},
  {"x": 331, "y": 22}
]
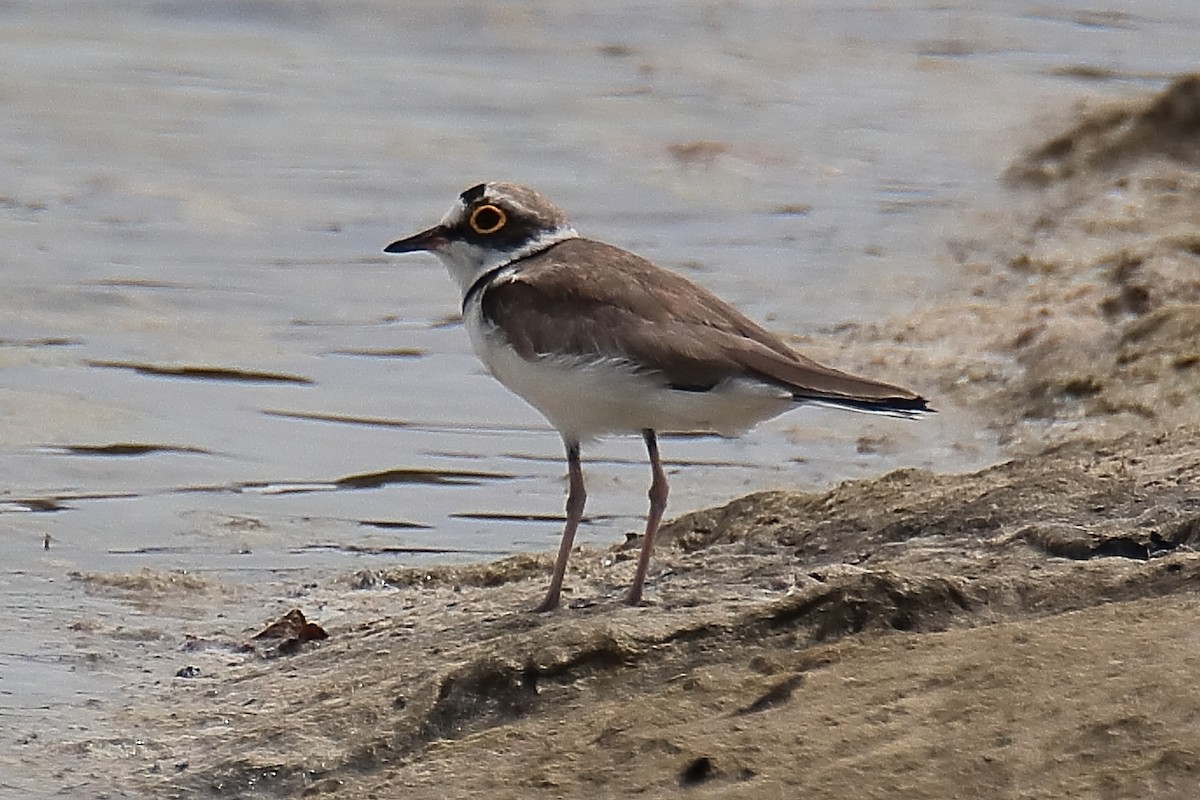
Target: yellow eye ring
[{"x": 493, "y": 219}]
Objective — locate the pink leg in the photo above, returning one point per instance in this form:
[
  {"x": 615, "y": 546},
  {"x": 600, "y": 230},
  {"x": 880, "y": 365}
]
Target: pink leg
[
  {"x": 658, "y": 504},
  {"x": 576, "y": 497}
]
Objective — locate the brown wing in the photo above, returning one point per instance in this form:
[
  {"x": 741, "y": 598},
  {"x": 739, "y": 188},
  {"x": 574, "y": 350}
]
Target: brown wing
[{"x": 582, "y": 297}]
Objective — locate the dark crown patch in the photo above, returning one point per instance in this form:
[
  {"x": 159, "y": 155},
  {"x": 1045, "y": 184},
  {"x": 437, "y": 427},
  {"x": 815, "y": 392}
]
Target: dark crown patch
[{"x": 474, "y": 194}]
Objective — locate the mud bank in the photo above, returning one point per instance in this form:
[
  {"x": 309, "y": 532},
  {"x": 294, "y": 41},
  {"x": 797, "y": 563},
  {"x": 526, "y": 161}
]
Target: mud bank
[
  {"x": 1084, "y": 309},
  {"x": 1029, "y": 627}
]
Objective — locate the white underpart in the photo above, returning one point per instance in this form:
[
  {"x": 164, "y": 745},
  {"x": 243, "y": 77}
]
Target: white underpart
[{"x": 588, "y": 397}]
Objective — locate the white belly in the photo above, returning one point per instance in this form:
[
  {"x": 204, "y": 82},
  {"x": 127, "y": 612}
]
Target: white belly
[{"x": 588, "y": 398}]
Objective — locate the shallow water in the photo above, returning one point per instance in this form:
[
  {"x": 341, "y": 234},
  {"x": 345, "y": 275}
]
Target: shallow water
[{"x": 207, "y": 364}]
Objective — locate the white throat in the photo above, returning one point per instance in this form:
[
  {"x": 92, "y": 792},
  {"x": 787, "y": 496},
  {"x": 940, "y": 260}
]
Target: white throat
[{"x": 467, "y": 262}]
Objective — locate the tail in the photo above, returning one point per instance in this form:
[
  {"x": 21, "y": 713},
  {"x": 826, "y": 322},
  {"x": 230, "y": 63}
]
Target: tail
[
  {"x": 811, "y": 382},
  {"x": 902, "y": 407}
]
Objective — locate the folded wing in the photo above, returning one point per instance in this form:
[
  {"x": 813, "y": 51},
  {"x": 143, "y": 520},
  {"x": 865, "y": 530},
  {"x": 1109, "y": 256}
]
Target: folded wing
[{"x": 602, "y": 302}]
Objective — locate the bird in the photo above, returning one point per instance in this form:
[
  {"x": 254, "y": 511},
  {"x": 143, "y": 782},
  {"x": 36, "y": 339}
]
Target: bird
[{"x": 603, "y": 342}]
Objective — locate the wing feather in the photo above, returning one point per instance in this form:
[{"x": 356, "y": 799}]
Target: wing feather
[{"x": 582, "y": 298}]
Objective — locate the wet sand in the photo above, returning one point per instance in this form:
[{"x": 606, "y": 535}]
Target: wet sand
[{"x": 1028, "y": 630}]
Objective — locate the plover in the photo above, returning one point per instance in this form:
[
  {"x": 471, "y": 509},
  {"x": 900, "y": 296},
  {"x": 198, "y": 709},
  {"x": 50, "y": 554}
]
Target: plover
[{"x": 601, "y": 341}]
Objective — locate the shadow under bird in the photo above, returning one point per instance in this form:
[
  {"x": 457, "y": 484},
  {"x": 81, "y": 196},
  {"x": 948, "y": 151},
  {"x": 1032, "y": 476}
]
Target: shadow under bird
[{"x": 601, "y": 341}]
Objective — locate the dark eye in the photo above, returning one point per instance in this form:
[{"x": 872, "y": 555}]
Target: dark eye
[{"x": 487, "y": 219}]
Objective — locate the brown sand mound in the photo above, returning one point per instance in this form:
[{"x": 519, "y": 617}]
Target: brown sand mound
[
  {"x": 907, "y": 632},
  {"x": 1081, "y": 314},
  {"x": 1168, "y": 125}
]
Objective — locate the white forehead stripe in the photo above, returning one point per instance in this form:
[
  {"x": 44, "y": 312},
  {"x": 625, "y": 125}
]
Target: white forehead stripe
[{"x": 454, "y": 214}]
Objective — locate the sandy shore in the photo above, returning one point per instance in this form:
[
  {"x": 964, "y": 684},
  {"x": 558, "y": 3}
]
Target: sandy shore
[{"x": 1026, "y": 631}]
